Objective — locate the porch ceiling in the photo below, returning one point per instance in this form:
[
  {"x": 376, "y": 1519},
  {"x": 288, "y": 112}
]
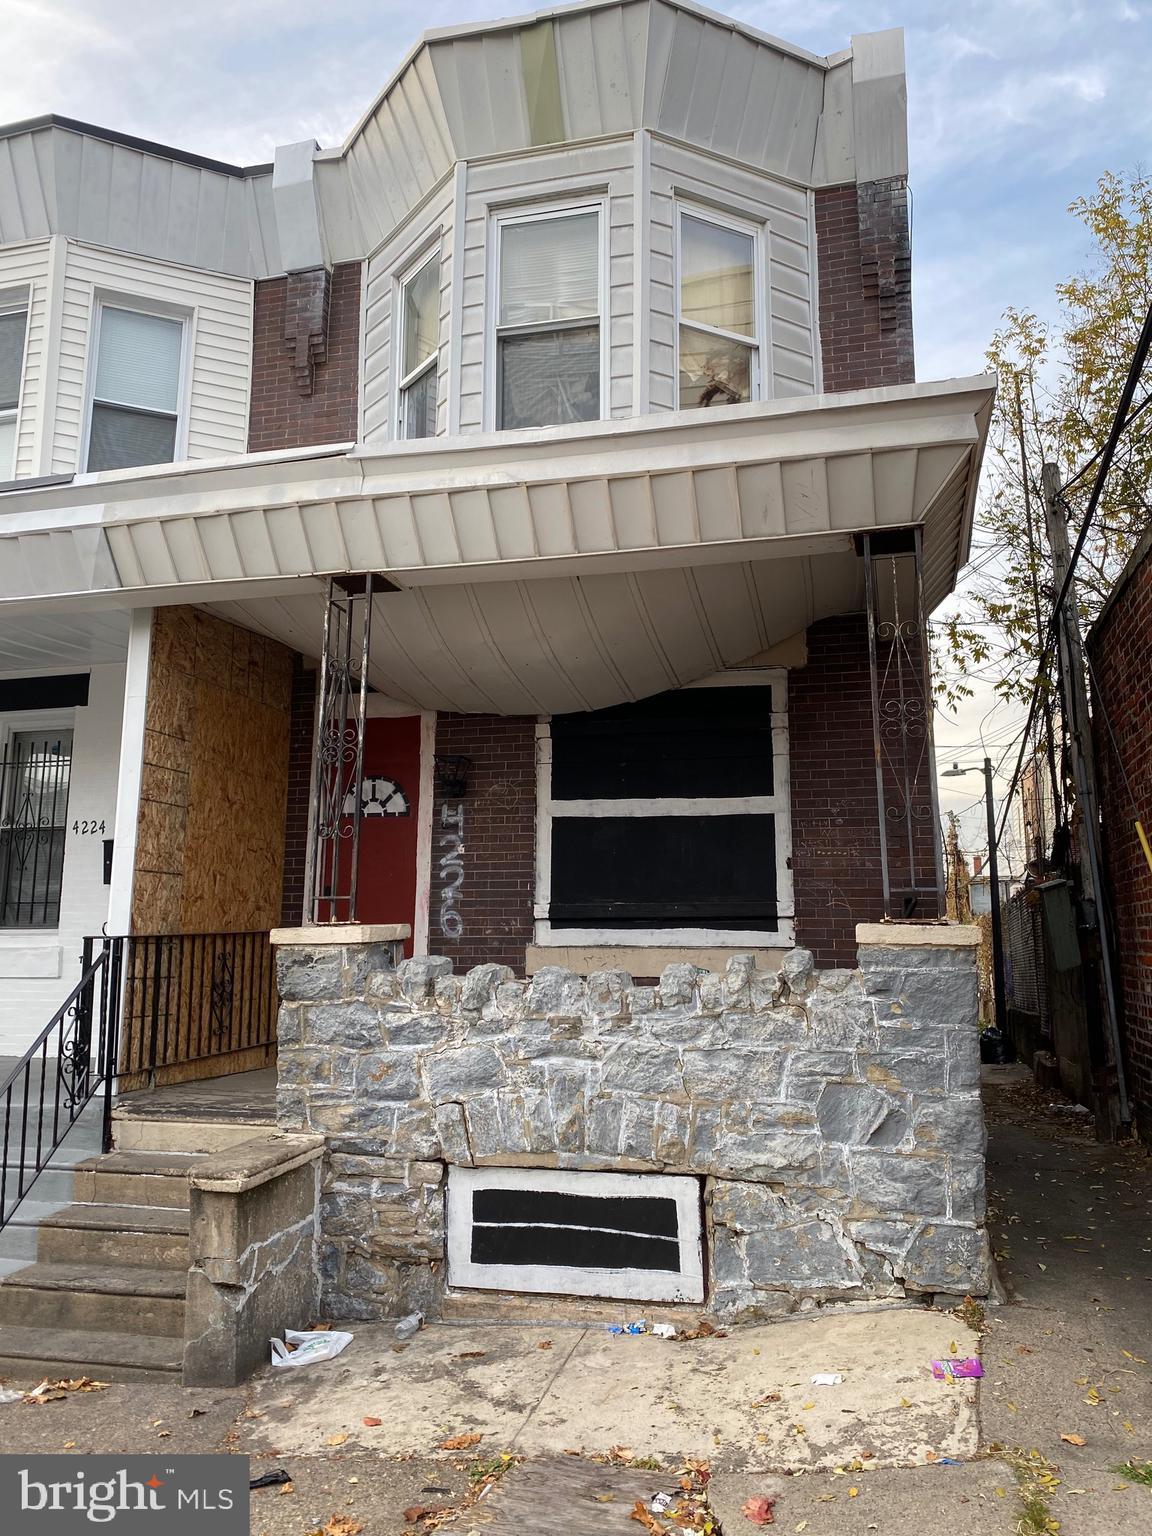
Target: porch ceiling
[{"x": 674, "y": 544}]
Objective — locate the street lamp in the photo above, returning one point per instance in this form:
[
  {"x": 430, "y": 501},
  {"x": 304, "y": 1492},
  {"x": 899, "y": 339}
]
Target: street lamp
[{"x": 998, "y": 990}]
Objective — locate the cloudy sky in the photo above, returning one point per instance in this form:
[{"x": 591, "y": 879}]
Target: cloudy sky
[{"x": 1016, "y": 106}]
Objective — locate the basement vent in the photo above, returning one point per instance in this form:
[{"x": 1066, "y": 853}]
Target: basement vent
[{"x": 575, "y": 1234}]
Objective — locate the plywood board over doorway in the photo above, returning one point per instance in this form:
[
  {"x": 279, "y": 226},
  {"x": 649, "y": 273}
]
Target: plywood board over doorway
[{"x": 210, "y": 837}]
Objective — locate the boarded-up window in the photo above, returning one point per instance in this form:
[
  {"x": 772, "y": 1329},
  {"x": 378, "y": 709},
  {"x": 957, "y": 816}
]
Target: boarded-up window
[{"x": 669, "y": 813}]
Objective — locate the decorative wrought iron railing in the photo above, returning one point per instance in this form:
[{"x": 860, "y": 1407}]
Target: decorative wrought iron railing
[
  {"x": 191, "y": 996},
  {"x": 71, "y": 1061}
]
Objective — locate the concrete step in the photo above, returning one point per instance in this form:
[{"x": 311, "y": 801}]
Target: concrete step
[
  {"x": 136, "y": 1178},
  {"x": 54, "y": 1183},
  {"x": 138, "y": 1236},
  {"x": 137, "y": 1133},
  {"x": 18, "y": 1236},
  {"x": 108, "y": 1298},
  {"x": 27, "y": 1355},
  {"x": 477, "y": 1308}
]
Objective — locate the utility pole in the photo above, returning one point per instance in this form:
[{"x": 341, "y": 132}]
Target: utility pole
[
  {"x": 1074, "y": 673},
  {"x": 999, "y": 991}
]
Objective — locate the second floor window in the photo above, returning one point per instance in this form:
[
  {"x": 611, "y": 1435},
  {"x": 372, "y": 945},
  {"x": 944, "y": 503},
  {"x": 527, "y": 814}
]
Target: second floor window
[
  {"x": 548, "y": 319},
  {"x": 718, "y": 333},
  {"x": 419, "y": 350},
  {"x": 136, "y": 391},
  {"x": 13, "y": 327}
]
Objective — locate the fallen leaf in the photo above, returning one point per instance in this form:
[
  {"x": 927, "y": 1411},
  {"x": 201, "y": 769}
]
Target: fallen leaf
[
  {"x": 759, "y": 1510},
  {"x": 644, "y": 1516},
  {"x": 803, "y": 1526},
  {"x": 342, "y": 1525},
  {"x": 336, "y": 1439},
  {"x": 69, "y": 1445},
  {"x": 422, "y": 1511},
  {"x": 472, "y": 1354},
  {"x": 286, "y": 1488},
  {"x": 1074, "y": 1439},
  {"x": 620, "y": 1453},
  {"x": 853, "y": 1493},
  {"x": 544, "y": 1344},
  {"x": 372, "y": 1423},
  {"x": 1093, "y": 1399},
  {"x": 953, "y": 1348},
  {"x": 805, "y": 1406},
  {"x": 460, "y": 1442},
  {"x": 604, "y": 1498},
  {"x": 904, "y": 1403}
]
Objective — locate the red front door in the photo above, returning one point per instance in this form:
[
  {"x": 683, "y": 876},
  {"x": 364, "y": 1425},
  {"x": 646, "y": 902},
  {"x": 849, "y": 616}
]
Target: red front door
[{"x": 390, "y": 816}]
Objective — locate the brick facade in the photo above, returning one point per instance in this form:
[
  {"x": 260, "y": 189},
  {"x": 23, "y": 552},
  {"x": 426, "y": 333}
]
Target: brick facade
[
  {"x": 1122, "y": 664},
  {"x": 865, "y": 277},
  {"x": 496, "y": 823},
  {"x": 304, "y": 392},
  {"x": 301, "y": 729},
  {"x": 835, "y": 833}
]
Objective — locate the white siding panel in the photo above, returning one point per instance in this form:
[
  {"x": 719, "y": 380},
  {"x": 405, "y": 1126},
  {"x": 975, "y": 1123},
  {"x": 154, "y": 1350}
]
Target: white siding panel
[
  {"x": 221, "y": 342},
  {"x": 24, "y": 268},
  {"x": 782, "y": 210}
]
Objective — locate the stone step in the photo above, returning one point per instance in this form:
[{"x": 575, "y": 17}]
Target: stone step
[
  {"x": 108, "y": 1298},
  {"x": 54, "y": 1183},
  {"x": 137, "y": 1133},
  {"x": 151, "y": 1237},
  {"x": 137, "y": 1178},
  {"x": 18, "y": 1237},
  {"x": 27, "y": 1355},
  {"x": 479, "y": 1307}
]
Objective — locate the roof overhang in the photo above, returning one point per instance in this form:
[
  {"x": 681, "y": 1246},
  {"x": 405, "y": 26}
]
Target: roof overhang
[{"x": 692, "y": 539}]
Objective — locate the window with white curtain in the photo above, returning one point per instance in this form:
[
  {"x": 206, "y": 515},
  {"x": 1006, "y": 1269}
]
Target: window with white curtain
[
  {"x": 136, "y": 388},
  {"x": 13, "y": 328},
  {"x": 719, "y": 311},
  {"x": 548, "y": 319},
  {"x": 419, "y": 350}
]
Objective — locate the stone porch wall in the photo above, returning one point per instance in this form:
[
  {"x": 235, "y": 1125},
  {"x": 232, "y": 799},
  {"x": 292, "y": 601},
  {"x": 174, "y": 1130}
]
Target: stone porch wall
[{"x": 833, "y": 1117}]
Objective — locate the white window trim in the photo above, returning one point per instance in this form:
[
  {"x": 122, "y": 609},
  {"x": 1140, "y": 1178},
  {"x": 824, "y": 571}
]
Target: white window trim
[
  {"x": 47, "y": 720},
  {"x": 400, "y": 383},
  {"x": 686, "y": 1285},
  {"x": 106, "y": 299},
  {"x": 779, "y": 804},
  {"x": 760, "y": 373},
  {"x": 14, "y": 301},
  {"x": 537, "y": 214}
]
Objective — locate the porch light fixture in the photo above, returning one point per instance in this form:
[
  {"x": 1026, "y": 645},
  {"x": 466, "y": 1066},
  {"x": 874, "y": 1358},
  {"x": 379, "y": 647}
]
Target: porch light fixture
[{"x": 451, "y": 775}]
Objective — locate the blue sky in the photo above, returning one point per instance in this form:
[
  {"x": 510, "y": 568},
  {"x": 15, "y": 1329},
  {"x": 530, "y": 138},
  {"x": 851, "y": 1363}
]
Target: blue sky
[{"x": 1015, "y": 106}]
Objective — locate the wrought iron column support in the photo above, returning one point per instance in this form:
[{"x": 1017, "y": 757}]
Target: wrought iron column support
[
  {"x": 902, "y": 739},
  {"x": 339, "y": 752}
]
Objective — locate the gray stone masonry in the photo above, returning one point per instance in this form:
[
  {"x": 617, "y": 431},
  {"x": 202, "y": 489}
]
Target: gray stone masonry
[{"x": 833, "y": 1117}]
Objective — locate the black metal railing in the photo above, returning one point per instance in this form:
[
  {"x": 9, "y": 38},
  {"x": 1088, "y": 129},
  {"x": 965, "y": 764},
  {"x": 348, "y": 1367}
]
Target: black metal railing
[
  {"x": 191, "y": 996},
  {"x": 70, "y": 1062}
]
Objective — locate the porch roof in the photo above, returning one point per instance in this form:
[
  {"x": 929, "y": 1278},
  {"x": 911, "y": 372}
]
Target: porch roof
[{"x": 539, "y": 570}]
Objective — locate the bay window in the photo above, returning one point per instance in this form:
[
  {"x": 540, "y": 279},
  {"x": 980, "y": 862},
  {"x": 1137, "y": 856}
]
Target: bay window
[
  {"x": 13, "y": 328},
  {"x": 719, "y": 311},
  {"x": 667, "y": 820},
  {"x": 419, "y": 350},
  {"x": 548, "y": 319},
  {"x": 135, "y": 407}
]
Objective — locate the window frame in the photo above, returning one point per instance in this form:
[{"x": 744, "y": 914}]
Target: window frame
[
  {"x": 499, "y": 220},
  {"x": 778, "y": 804},
  {"x": 138, "y": 304},
  {"x": 39, "y": 722},
  {"x": 15, "y": 301},
  {"x": 759, "y": 374},
  {"x": 408, "y": 274}
]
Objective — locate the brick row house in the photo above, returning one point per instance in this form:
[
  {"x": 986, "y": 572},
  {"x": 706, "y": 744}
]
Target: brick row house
[{"x": 487, "y": 564}]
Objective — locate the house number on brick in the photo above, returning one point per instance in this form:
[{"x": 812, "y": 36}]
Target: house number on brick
[{"x": 451, "y": 870}]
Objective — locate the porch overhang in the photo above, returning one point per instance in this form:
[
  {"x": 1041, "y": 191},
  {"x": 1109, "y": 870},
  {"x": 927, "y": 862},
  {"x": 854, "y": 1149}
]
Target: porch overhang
[{"x": 541, "y": 570}]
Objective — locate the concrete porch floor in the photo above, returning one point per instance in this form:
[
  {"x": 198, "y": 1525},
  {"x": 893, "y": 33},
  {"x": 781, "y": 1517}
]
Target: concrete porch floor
[{"x": 247, "y": 1098}]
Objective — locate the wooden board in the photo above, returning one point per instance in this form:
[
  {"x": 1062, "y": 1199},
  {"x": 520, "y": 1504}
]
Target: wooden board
[{"x": 573, "y": 1497}]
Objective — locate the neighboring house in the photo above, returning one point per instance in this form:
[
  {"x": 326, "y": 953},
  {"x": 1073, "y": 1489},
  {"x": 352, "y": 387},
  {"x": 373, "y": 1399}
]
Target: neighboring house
[
  {"x": 1120, "y": 657},
  {"x": 590, "y": 355}
]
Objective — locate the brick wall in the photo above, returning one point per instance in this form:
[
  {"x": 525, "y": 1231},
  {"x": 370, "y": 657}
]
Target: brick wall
[
  {"x": 493, "y": 900},
  {"x": 295, "y": 406},
  {"x": 835, "y": 835},
  {"x": 301, "y": 727},
  {"x": 1122, "y": 664},
  {"x": 865, "y": 276}
]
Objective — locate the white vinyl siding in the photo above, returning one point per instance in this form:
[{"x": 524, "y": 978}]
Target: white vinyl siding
[
  {"x": 13, "y": 336},
  {"x": 543, "y": 179},
  {"x": 24, "y": 281},
  {"x": 681, "y": 177},
  {"x": 218, "y": 342},
  {"x": 403, "y": 254}
]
